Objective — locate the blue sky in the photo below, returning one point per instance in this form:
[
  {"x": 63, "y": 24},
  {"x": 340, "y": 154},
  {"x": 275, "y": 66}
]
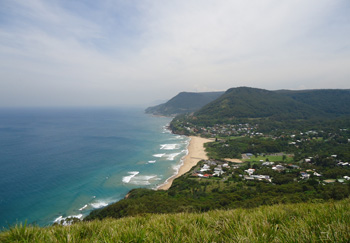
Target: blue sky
[{"x": 113, "y": 52}]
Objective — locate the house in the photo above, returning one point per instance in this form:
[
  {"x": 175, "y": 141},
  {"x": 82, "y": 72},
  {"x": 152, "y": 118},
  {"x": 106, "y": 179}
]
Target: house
[
  {"x": 257, "y": 177},
  {"x": 218, "y": 171},
  {"x": 279, "y": 167},
  {"x": 293, "y": 166},
  {"x": 211, "y": 162},
  {"x": 249, "y": 178},
  {"x": 250, "y": 171},
  {"x": 317, "y": 174},
  {"x": 261, "y": 177},
  {"x": 304, "y": 175},
  {"x": 205, "y": 168}
]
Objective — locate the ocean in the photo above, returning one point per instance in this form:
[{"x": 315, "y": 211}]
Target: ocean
[{"x": 60, "y": 162}]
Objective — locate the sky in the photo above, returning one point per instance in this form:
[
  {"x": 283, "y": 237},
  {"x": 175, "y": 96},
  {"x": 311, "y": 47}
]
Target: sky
[{"x": 137, "y": 52}]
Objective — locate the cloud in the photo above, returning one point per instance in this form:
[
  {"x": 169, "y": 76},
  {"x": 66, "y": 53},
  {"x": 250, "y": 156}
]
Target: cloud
[{"x": 133, "y": 52}]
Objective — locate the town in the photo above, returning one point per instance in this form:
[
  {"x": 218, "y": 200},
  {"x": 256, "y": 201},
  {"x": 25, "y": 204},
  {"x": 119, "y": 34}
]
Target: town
[{"x": 281, "y": 156}]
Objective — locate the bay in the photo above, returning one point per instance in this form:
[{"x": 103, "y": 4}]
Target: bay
[{"x": 60, "y": 162}]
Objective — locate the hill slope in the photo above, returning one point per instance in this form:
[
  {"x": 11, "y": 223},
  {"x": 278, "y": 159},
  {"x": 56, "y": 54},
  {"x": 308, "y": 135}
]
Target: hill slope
[
  {"x": 330, "y": 101},
  {"x": 303, "y": 222},
  {"x": 184, "y": 102},
  {"x": 247, "y": 102}
]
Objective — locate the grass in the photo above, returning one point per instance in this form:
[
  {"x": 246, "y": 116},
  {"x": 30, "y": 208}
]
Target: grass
[
  {"x": 321, "y": 222},
  {"x": 272, "y": 158}
]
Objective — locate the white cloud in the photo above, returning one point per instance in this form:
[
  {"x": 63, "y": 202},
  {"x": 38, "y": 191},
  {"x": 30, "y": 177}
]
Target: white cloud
[{"x": 117, "y": 52}]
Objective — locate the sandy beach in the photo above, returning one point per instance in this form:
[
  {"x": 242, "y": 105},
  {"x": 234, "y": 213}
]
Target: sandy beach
[{"x": 195, "y": 154}]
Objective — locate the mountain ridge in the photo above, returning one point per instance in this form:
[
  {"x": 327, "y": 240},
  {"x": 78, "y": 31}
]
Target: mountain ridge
[
  {"x": 248, "y": 102},
  {"x": 184, "y": 102}
]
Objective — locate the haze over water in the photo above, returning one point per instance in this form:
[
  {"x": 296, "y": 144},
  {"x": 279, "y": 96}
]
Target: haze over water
[{"x": 61, "y": 162}]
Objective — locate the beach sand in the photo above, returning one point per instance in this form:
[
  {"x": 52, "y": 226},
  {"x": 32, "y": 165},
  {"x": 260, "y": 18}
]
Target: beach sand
[{"x": 196, "y": 153}]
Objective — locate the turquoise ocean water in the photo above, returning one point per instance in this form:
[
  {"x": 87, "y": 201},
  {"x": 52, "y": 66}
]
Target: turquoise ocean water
[{"x": 56, "y": 163}]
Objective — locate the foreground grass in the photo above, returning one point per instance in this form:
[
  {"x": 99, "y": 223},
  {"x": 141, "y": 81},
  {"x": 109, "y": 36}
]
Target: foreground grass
[{"x": 304, "y": 222}]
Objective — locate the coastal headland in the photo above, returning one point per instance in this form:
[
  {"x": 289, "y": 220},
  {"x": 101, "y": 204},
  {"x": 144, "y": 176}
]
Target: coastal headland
[{"x": 196, "y": 152}]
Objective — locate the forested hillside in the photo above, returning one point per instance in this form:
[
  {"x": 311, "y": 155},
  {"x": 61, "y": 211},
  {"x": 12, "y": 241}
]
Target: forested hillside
[
  {"x": 271, "y": 110},
  {"x": 331, "y": 101},
  {"x": 184, "y": 102},
  {"x": 247, "y": 102}
]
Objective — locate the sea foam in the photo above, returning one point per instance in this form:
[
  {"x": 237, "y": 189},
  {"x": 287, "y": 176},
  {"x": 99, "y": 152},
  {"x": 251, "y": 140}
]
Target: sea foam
[
  {"x": 99, "y": 204},
  {"x": 63, "y": 220},
  {"x": 126, "y": 179},
  {"x": 82, "y": 208},
  {"x": 158, "y": 155},
  {"x": 143, "y": 180},
  {"x": 172, "y": 156},
  {"x": 169, "y": 146}
]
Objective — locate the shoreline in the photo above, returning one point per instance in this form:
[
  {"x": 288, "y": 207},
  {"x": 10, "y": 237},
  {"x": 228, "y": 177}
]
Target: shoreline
[{"x": 196, "y": 152}]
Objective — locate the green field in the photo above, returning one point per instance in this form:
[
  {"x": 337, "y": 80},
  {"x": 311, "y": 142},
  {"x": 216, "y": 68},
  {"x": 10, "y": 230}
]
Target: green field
[{"x": 271, "y": 158}]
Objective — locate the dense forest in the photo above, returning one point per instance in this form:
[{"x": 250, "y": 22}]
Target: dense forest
[{"x": 184, "y": 102}]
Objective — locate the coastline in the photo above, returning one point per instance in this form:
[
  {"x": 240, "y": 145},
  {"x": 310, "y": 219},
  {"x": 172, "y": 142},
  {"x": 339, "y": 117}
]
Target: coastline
[{"x": 196, "y": 152}]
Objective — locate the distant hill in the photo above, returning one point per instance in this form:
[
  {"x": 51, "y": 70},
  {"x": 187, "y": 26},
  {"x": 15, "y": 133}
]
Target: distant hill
[
  {"x": 245, "y": 102},
  {"x": 331, "y": 101},
  {"x": 184, "y": 102}
]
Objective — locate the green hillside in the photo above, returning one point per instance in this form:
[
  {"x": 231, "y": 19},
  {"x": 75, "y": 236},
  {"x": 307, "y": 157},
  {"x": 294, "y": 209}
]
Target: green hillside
[
  {"x": 303, "y": 222},
  {"x": 247, "y": 102},
  {"x": 270, "y": 110},
  {"x": 330, "y": 101},
  {"x": 184, "y": 102}
]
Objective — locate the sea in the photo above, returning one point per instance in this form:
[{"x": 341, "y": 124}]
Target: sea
[{"x": 65, "y": 162}]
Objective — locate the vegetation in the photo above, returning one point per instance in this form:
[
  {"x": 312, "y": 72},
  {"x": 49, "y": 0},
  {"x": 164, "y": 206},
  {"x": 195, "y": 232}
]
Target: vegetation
[
  {"x": 271, "y": 110},
  {"x": 253, "y": 103},
  {"x": 247, "y": 102},
  {"x": 184, "y": 102},
  {"x": 307, "y": 148},
  {"x": 303, "y": 222},
  {"x": 295, "y": 145},
  {"x": 190, "y": 193},
  {"x": 330, "y": 101},
  {"x": 319, "y": 146}
]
